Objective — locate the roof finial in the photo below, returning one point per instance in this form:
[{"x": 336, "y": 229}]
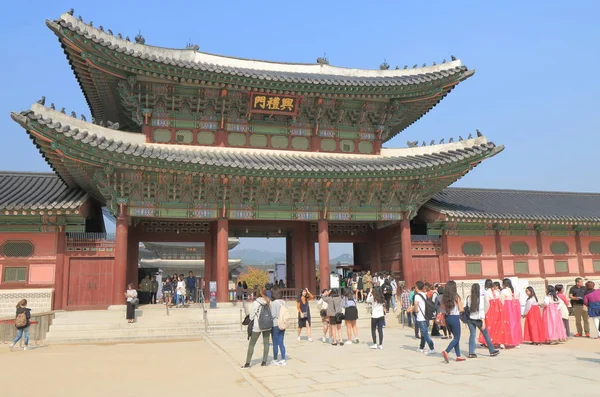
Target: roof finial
[
  {"x": 110, "y": 32},
  {"x": 405, "y": 67},
  {"x": 74, "y": 115},
  {"x": 442, "y": 141},
  {"x": 83, "y": 117},
  {"x": 470, "y": 136},
  {"x": 101, "y": 28},
  {"x": 119, "y": 35},
  {"x": 432, "y": 142},
  {"x": 91, "y": 23},
  {"x": 139, "y": 38},
  {"x": 479, "y": 134},
  {"x": 71, "y": 11},
  {"x": 127, "y": 38},
  {"x": 79, "y": 18},
  {"x": 460, "y": 138},
  {"x": 384, "y": 66},
  {"x": 412, "y": 143},
  {"x": 433, "y": 64},
  {"x": 192, "y": 46},
  {"x": 444, "y": 60},
  {"x": 323, "y": 60},
  {"x": 414, "y": 66},
  {"x": 451, "y": 140},
  {"x": 424, "y": 65},
  {"x": 423, "y": 144},
  {"x": 62, "y": 110},
  {"x": 42, "y": 101},
  {"x": 52, "y": 106},
  {"x": 452, "y": 57}
]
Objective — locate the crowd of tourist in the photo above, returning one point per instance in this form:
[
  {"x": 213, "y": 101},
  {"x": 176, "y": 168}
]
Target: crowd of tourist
[{"x": 494, "y": 310}]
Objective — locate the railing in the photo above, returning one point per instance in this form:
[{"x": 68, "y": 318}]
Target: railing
[
  {"x": 90, "y": 242},
  {"x": 420, "y": 237},
  {"x": 81, "y": 236},
  {"x": 40, "y": 324}
]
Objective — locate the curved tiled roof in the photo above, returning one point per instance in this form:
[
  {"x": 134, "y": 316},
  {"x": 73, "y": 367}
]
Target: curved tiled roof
[
  {"x": 261, "y": 70},
  {"x": 517, "y": 205},
  {"x": 37, "y": 191},
  {"x": 132, "y": 144}
]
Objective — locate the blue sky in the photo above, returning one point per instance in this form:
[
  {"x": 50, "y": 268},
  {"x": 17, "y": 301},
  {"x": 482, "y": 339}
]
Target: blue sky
[{"x": 535, "y": 89}]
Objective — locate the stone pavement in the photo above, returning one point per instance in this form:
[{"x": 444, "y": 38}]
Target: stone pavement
[
  {"x": 323, "y": 370},
  {"x": 211, "y": 367}
]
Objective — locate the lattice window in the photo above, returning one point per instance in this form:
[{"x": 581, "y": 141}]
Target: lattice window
[
  {"x": 595, "y": 247},
  {"x": 183, "y": 136},
  {"x": 596, "y": 266},
  {"x": 559, "y": 248},
  {"x": 561, "y": 266},
  {"x": 521, "y": 267},
  {"x": 236, "y": 139},
  {"x": 472, "y": 249},
  {"x": 17, "y": 249},
  {"x": 279, "y": 142},
  {"x": 365, "y": 147},
  {"x": 347, "y": 145},
  {"x": 15, "y": 275},
  {"x": 473, "y": 268},
  {"x": 206, "y": 138},
  {"x": 161, "y": 136},
  {"x": 328, "y": 145},
  {"x": 257, "y": 140},
  {"x": 300, "y": 143},
  {"x": 519, "y": 248}
]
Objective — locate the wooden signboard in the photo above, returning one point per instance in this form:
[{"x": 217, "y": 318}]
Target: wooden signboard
[{"x": 274, "y": 104}]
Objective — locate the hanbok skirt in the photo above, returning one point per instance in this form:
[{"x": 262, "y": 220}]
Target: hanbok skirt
[
  {"x": 512, "y": 319},
  {"x": 495, "y": 323},
  {"x": 534, "y": 327},
  {"x": 553, "y": 324}
]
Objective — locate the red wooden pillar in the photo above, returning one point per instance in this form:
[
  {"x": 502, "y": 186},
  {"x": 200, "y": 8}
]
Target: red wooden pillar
[
  {"x": 406, "y": 248},
  {"x": 59, "y": 286},
  {"x": 222, "y": 260},
  {"x": 324, "y": 253},
  {"x": 312, "y": 271},
  {"x": 579, "y": 252},
  {"x": 540, "y": 250},
  {"x": 209, "y": 258},
  {"x": 445, "y": 264},
  {"x": 120, "y": 263},
  {"x": 499, "y": 257},
  {"x": 375, "y": 252}
]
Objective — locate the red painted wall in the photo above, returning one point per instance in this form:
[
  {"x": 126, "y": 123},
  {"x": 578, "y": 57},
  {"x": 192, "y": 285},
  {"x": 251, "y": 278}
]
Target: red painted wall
[{"x": 40, "y": 266}]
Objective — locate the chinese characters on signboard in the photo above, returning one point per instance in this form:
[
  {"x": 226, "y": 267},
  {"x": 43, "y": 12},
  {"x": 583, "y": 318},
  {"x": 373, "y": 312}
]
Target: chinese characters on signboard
[{"x": 273, "y": 104}]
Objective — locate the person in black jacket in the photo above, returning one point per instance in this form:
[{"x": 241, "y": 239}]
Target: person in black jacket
[{"x": 22, "y": 330}]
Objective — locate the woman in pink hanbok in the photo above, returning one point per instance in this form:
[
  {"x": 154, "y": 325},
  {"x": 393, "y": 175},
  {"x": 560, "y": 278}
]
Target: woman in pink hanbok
[
  {"x": 512, "y": 312},
  {"x": 552, "y": 318},
  {"x": 494, "y": 316}
]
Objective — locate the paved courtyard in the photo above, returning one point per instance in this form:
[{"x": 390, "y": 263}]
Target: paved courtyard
[{"x": 211, "y": 367}]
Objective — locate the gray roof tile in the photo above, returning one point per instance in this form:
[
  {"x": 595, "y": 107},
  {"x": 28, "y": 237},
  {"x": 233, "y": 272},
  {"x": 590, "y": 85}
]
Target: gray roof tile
[
  {"x": 37, "y": 191},
  {"x": 517, "y": 204}
]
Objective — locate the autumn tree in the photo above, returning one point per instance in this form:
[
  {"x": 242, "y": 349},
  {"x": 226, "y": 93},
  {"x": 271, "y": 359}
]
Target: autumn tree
[{"x": 254, "y": 277}]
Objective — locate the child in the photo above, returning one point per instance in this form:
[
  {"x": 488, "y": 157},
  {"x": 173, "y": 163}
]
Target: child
[
  {"x": 377, "y": 300},
  {"x": 552, "y": 318},
  {"x": 22, "y": 326},
  {"x": 534, "y": 328}
]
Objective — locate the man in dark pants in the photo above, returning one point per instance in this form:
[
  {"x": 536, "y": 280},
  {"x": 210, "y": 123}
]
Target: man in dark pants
[
  {"x": 190, "y": 285},
  {"x": 576, "y": 295},
  {"x": 146, "y": 290},
  {"x": 154, "y": 290}
]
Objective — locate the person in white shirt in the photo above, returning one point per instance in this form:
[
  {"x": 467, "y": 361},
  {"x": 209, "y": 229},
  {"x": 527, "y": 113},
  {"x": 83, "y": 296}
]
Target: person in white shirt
[
  {"x": 394, "y": 292},
  {"x": 476, "y": 319},
  {"x": 422, "y": 323},
  {"x": 377, "y": 300},
  {"x": 323, "y": 312}
]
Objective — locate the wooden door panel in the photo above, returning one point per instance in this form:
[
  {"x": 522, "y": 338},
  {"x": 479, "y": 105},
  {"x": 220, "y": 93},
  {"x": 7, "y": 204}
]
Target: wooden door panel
[
  {"x": 427, "y": 269},
  {"x": 90, "y": 282}
]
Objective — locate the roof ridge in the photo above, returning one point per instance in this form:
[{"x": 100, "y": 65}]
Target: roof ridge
[
  {"x": 30, "y": 173},
  {"x": 521, "y": 191}
]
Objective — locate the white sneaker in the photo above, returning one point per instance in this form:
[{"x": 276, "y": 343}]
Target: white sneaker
[
  {"x": 502, "y": 346},
  {"x": 518, "y": 346},
  {"x": 374, "y": 347},
  {"x": 310, "y": 339},
  {"x": 348, "y": 342},
  {"x": 420, "y": 350},
  {"x": 324, "y": 339},
  {"x": 275, "y": 362},
  {"x": 282, "y": 363},
  {"x": 298, "y": 339},
  {"x": 26, "y": 348},
  {"x": 380, "y": 347},
  {"x": 12, "y": 347}
]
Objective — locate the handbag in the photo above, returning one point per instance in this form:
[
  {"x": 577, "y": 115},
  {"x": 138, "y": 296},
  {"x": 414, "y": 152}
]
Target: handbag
[
  {"x": 323, "y": 313},
  {"x": 440, "y": 319},
  {"x": 466, "y": 313},
  {"x": 135, "y": 301},
  {"x": 246, "y": 320},
  {"x": 339, "y": 317}
]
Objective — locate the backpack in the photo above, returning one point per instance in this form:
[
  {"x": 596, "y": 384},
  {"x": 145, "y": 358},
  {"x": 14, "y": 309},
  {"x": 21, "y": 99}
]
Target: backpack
[
  {"x": 21, "y": 320},
  {"x": 387, "y": 289},
  {"x": 265, "y": 318},
  {"x": 429, "y": 307},
  {"x": 284, "y": 320}
]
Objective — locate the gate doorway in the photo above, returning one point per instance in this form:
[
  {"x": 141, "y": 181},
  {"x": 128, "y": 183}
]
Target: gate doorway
[{"x": 90, "y": 283}]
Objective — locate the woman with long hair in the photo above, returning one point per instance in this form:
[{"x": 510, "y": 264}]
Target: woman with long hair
[
  {"x": 334, "y": 308},
  {"x": 440, "y": 311},
  {"x": 377, "y": 301},
  {"x": 493, "y": 316},
  {"x": 131, "y": 296},
  {"x": 261, "y": 303},
  {"x": 350, "y": 316},
  {"x": 278, "y": 334},
  {"x": 303, "y": 308},
  {"x": 476, "y": 319},
  {"x": 22, "y": 323},
  {"x": 453, "y": 306},
  {"x": 552, "y": 318},
  {"x": 534, "y": 329},
  {"x": 512, "y": 310}
]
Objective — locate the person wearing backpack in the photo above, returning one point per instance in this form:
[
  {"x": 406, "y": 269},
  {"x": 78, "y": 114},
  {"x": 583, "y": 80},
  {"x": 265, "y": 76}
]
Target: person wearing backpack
[
  {"x": 278, "y": 333},
  {"x": 422, "y": 318},
  {"x": 22, "y": 323},
  {"x": 262, "y": 324}
]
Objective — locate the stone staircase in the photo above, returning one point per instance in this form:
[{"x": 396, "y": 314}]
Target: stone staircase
[{"x": 153, "y": 323}]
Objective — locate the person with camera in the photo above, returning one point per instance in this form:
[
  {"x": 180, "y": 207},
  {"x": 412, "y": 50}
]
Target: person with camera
[
  {"x": 336, "y": 316},
  {"x": 304, "y": 313}
]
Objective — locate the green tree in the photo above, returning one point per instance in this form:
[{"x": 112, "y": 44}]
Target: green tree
[{"x": 254, "y": 277}]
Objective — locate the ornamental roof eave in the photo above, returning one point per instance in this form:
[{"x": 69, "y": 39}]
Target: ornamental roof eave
[
  {"x": 69, "y": 136},
  {"x": 521, "y": 206}
]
